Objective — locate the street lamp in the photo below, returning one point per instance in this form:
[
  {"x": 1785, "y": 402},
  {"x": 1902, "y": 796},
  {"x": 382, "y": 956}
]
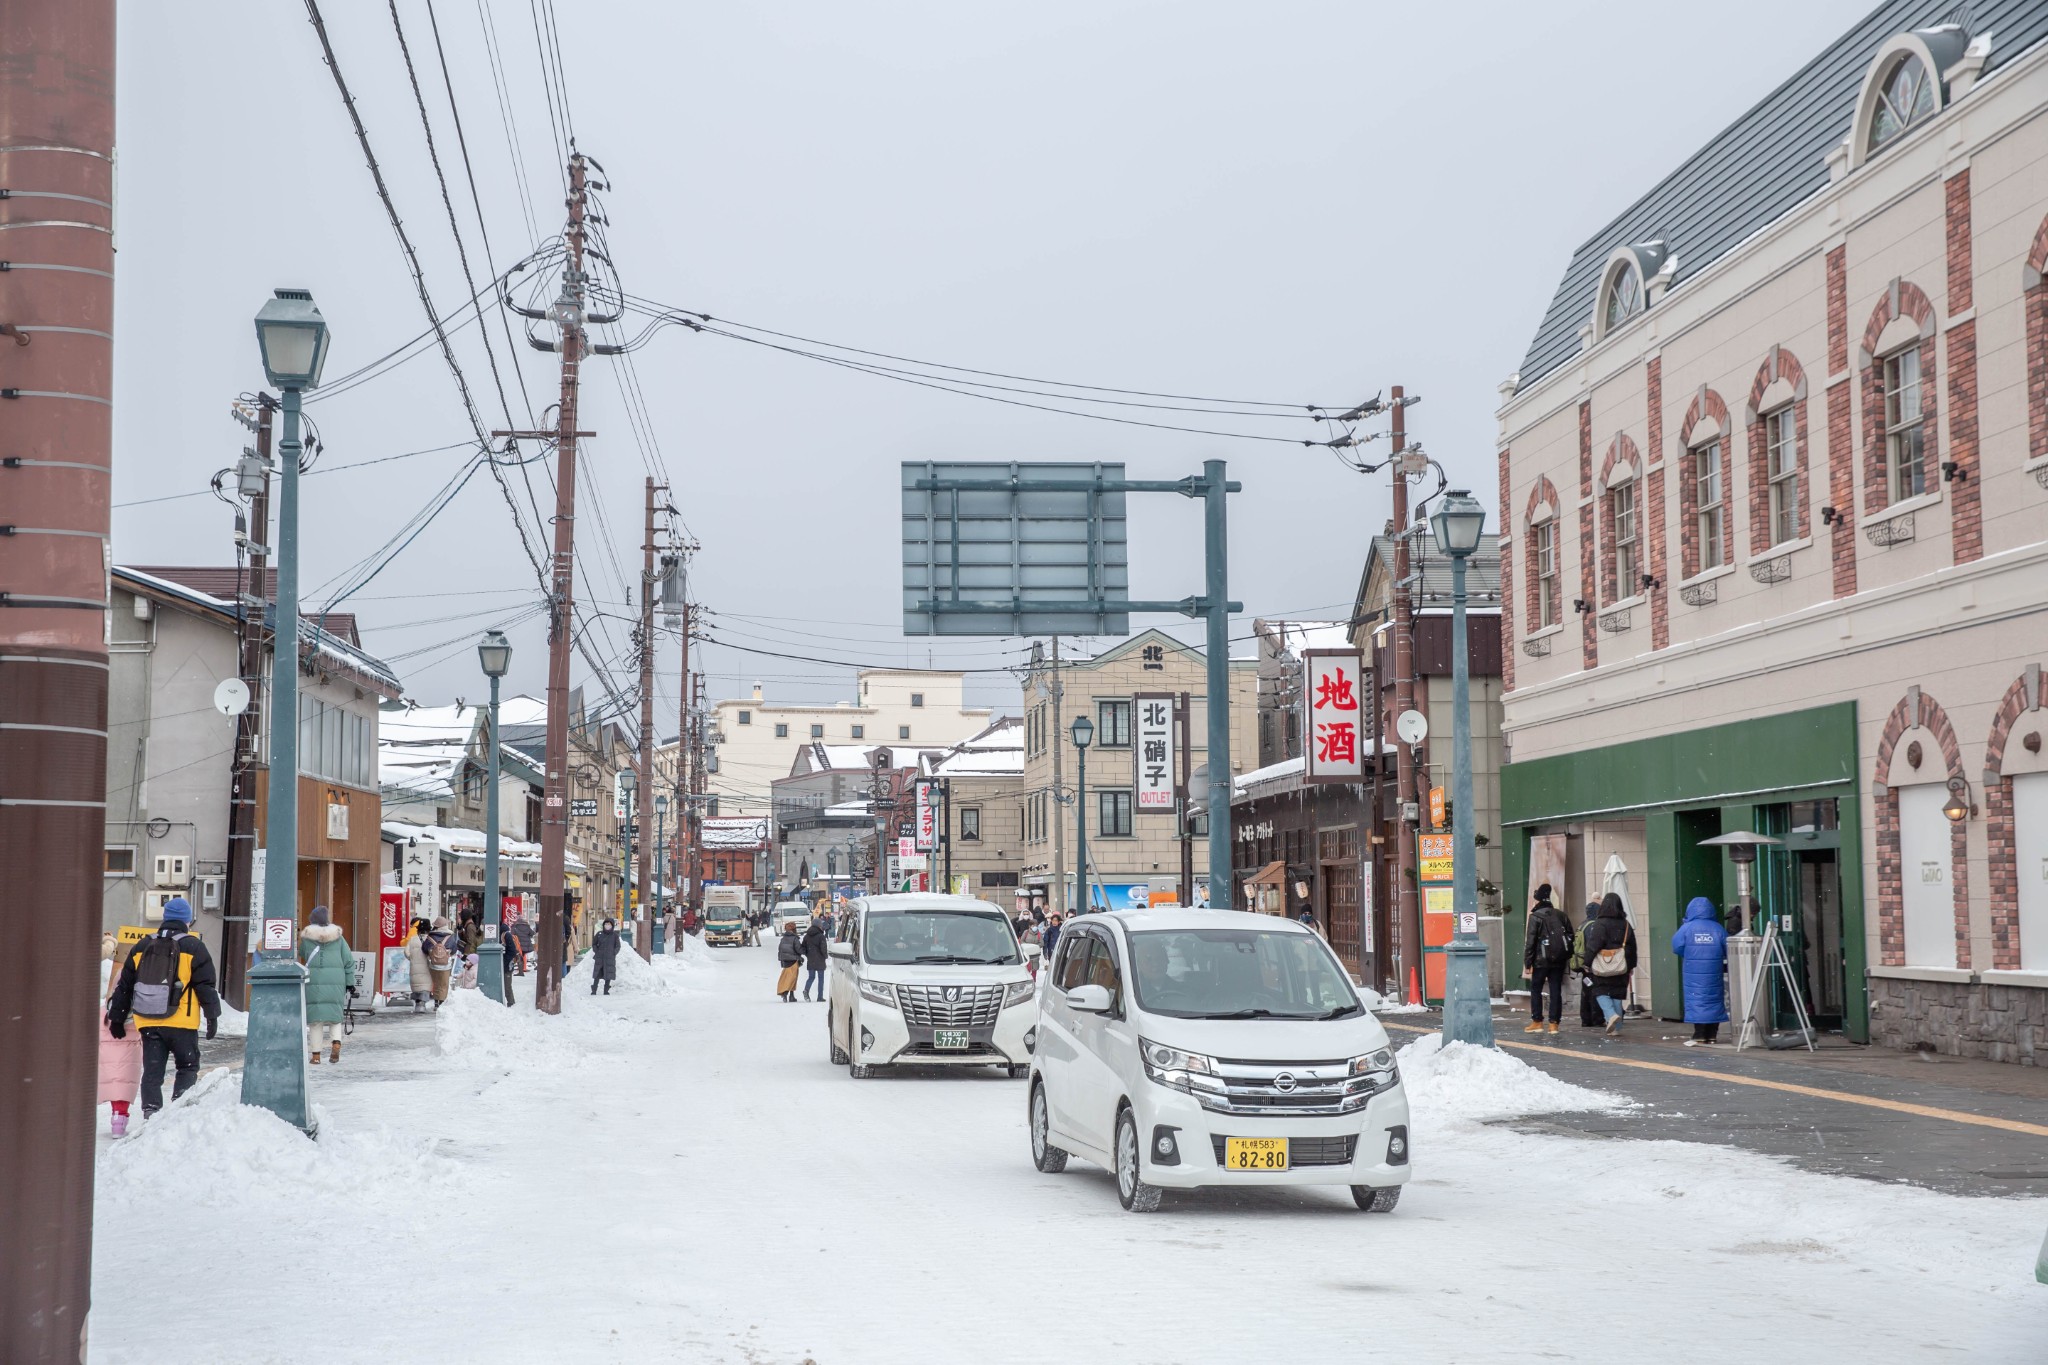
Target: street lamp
[
  {"x": 660, "y": 854},
  {"x": 293, "y": 339},
  {"x": 494, "y": 652},
  {"x": 1083, "y": 731},
  {"x": 1468, "y": 999},
  {"x": 628, "y": 779}
]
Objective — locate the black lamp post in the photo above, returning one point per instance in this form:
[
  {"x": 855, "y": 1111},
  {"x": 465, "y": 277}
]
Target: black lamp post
[{"x": 1083, "y": 731}]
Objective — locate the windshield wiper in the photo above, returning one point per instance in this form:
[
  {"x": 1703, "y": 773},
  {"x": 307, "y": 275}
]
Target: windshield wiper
[
  {"x": 1254, "y": 1013},
  {"x": 952, "y": 957},
  {"x": 1344, "y": 1011}
]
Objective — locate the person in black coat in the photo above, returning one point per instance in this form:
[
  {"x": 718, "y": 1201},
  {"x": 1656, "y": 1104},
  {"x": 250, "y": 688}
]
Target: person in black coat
[
  {"x": 814, "y": 959},
  {"x": 789, "y": 952},
  {"x": 1546, "y": 957},
  {"x": 604, "y": 953},
  {"x": 1610, "y": 959}
]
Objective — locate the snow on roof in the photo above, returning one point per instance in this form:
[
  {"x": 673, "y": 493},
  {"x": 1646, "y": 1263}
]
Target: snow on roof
[
  {"x": 978, "y": 763},
  {"x": 1286, "y": 767},
  {"x": 1296, "y": 636},
  {"x": 463, "y": 843},
  {"x": 848, "y": 810}
]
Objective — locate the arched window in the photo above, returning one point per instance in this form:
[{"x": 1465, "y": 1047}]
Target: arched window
[
  {"x": 1906, "y": 96},
  {"x": 1624, "y": 297}
]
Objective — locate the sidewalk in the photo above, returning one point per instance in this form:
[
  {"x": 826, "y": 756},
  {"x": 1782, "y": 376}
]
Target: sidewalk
[{"x": 1956, "y": 1125}]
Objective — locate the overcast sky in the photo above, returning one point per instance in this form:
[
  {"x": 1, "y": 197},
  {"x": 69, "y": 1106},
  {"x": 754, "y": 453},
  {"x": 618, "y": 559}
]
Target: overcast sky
[{"x": 1299, "y": 203}]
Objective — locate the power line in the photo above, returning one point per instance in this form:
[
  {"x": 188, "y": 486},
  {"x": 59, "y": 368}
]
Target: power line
[{"x": 329, "y": 469}]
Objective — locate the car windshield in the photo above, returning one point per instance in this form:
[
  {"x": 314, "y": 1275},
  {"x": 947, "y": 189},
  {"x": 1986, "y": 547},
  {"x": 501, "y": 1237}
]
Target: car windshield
[
  {"x": 1238, "y": 974},
  {"x": 946, "y": 936}
]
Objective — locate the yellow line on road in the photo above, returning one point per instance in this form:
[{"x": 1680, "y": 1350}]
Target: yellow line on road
[{"x": 1925, "y": 1111}]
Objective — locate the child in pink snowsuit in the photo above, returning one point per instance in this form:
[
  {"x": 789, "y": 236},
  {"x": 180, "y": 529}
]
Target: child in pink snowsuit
[{"x": 120, "y": 1058}]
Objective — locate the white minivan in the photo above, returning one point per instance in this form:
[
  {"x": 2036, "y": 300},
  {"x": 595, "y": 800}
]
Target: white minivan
[
  {"x": 788, "y": 915},
  {"x": 926, "y": 979},
  {"x": 1182, "y": 1048}
]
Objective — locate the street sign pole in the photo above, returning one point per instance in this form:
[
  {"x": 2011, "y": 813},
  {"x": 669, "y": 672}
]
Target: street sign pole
[{"x": 1216, "y": 606}]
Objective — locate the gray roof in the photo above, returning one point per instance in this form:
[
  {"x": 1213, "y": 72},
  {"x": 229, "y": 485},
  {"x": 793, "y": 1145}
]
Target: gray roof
[
  {"x": 1765, "y": 163},
  {"x": 1482, "y": 576}
]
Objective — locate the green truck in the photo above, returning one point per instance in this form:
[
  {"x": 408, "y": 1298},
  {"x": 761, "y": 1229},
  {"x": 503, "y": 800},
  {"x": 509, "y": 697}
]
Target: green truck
[{"x": 725, "y": 917}]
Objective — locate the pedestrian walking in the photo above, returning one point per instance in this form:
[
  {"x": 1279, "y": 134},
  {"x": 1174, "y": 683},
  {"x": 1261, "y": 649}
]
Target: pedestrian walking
[
  {"x": 1051, "y": 937},
  {"x": 441, "y": 950},
  {"x": 1701, "y": 944},
  {"x": 522, "y": 937},
  {"x": 120, "y": 1057},
  {"x": 330, "y": 974},
  {"x": 604, "y": 957},
  {"x": 420, "y": 976},
  {"x": 469, "y": 930},
  {"x": 1546, "y": 957},
  {"x": 1611, "y": 959},
  {"x": 166, "y": 985},
  {"x": 1589, "y": 1002},
  {"x": 814, "y": 959},
  {"x": 789, "y": 954}
]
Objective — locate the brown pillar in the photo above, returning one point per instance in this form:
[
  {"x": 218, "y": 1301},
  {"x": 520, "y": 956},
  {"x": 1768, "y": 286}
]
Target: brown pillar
[{"x": 56, "y": 406}]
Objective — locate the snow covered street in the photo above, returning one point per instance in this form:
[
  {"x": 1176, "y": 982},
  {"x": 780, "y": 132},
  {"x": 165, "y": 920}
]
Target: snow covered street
[{"x": 676, "y": 1173}]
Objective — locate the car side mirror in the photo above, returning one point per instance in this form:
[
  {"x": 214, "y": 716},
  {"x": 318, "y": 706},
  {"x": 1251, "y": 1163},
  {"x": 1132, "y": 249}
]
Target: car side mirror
[
  {"x": 1089, "y": 999},
  {"x": 1031, "y": 950},
  {"x": 839, "y": 950}
]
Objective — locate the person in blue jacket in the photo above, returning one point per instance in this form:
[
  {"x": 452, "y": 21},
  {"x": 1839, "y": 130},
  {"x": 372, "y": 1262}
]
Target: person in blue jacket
[{"x": 1702, "y": 947}]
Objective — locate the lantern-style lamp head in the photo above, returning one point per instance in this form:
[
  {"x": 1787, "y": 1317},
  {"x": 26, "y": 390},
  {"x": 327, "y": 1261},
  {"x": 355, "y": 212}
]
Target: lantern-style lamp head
[
  {"x": 1457, "y": 523},
  {"x": 494, "y": 651},
  {"x": 627, "y": 777},
  {"x": 1958, "y": 807},
  {"x": 1083, "y": 732},
  {"x": 293, "y": 336},
  {"x": 660, "y": 804}
]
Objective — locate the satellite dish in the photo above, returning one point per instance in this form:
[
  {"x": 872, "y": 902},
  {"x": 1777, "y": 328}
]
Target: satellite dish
[
  {"x": 231, "y": 698},
  {"x": 1412, "y": 727}
]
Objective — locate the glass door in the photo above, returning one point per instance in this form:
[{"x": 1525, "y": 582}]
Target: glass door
[{"x": 1800, "y": 885}]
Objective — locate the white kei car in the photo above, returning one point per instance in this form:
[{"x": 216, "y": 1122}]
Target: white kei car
[
  {"x": 1182, "y": 1048},
  {"x": 926, "y": 979}
]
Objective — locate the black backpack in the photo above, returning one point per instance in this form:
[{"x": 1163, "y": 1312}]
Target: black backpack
[
  {"x": 157, "y": 990},
  {"x": 1554, "y": 947}
]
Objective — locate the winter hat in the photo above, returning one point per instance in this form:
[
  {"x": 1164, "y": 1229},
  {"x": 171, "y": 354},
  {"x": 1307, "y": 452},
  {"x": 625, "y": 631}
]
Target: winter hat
[
  {"x": 441, "y": 922},
  {"x": 1543, "y": 892},
  {"x": 177, "y": 911},
  {"x": 319, "y": 915}
]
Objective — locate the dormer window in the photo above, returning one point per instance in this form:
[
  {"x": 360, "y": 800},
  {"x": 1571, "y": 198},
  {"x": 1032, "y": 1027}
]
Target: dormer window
[
  {"x": 1906, "y": 97},
  {"x": 1624, "y": 297}
]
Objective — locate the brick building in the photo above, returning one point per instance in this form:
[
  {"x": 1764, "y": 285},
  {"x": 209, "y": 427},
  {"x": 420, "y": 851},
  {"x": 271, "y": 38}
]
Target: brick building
[{"x": 1774, "y": 478}]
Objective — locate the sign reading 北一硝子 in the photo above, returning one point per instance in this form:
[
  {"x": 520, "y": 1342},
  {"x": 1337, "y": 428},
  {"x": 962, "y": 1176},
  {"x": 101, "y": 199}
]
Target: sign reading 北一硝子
[
  {"x": 1154, "y": 740},
  {"x": 1014, "y": 549},
  {"x": 1334, "y": 745}
]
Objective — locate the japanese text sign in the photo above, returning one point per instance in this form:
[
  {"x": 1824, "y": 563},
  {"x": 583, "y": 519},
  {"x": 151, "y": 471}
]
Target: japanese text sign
[
  {"x": 1434, "y": 852},
  {"x": 927, "y": 815},
  {"x": 1155, "y": 775},
  {"x": 1334, "y": 698}
]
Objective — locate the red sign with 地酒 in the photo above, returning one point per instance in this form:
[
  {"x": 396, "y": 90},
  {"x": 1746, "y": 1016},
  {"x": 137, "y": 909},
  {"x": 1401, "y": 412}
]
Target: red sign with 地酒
[{"x": 1333, "y": 696}]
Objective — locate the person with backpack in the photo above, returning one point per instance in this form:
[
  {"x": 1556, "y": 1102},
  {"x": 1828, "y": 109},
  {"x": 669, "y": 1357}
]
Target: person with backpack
[
  {"x": 420, "y": 975},
  {"x": 441, "y": 951},
  {"x": 1701, "y": 944},
  {"x": 604, "y": 957},
  {"x": 1546, "y": 957},
  {"x": 166, "y": 985},
  {"x": 330, "y": 975},
  {"x": 1610, "y": 956},
  {"x": 520, "y": 932}
]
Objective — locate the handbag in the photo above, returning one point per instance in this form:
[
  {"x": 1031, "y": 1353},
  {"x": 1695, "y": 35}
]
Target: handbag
[{"x": 1612, "y": 961}]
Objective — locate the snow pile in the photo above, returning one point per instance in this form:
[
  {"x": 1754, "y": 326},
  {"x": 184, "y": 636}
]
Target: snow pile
[
  {"x": 233, "y": 1023},
  {"x": 632, "y": 974},
  {"x": 1380, "y": 1004},
  {"x": 218, "y": 1153},
  {"x": 1461, "y": 1081}
]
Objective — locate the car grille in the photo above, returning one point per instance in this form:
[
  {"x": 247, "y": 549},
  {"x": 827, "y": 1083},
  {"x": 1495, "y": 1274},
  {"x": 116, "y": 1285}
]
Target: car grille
[
  {"x": 1292, "y": 1088},
  {"x": 1309, "y": 1151},
  {"x": 950, "y": 1006}
]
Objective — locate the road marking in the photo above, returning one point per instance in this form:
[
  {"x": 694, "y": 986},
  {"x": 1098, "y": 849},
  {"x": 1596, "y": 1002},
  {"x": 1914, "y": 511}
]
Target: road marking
[{"x": 1925, "y": 1111}]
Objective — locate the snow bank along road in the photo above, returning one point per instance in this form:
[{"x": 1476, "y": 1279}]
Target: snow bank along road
[{"x": 676, "y": 1173}]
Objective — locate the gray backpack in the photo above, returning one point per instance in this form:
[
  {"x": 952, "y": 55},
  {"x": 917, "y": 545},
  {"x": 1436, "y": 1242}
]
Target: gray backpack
[{"x": 157, "y": 991}]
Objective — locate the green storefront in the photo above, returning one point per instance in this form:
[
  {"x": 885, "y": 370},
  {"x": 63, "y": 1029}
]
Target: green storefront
[{"x": 1792, "y": 776}]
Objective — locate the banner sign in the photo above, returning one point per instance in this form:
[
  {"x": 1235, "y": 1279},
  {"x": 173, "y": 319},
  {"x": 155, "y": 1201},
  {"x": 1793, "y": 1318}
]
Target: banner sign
[
  {"x": 394, "y": 974},
  {"x": 927, "y": 837},
  {"x": 1435, "y": 858},
  {"x": 583, "y": 808},
  {"x": 420, "y": 873},
  {"x": 1438, "y": 810},
  {"x": 1332, "y": 697},
  {"x": 1155, "y": 777},
  {"x": 735, "y": 831}
]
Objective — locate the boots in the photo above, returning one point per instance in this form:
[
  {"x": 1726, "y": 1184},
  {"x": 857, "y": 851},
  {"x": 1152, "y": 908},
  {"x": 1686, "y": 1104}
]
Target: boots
[
  {"x": 1535, "y": 1026},
  {"x": 120, "y": 1125},
  {"x": 334, "y": 1051},
  {"x": 316, "y": 1059}
]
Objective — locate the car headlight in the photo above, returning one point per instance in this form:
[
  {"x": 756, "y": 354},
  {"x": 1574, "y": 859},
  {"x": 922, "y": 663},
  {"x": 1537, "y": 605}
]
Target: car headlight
[
  {"x": 1019, "y": 992},
  {"x": 881, "y": 992},
  {"x": 1383, "y": 1060},
  {"x": 1184, "y": 1071}
]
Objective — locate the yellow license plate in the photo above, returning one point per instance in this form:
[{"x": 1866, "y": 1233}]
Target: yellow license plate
[{"x": 1255, "y": 1154}]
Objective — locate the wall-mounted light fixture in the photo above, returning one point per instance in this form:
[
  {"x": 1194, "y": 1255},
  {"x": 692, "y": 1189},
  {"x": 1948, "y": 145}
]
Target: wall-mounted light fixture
[
  {"x": 1958, "y": 808},
  {"x": 1952, "y": 471},
  {"x": 1651, "y": 582},
  {"x": 1829, "y": 516},
  {"x": 1582, "y": 606}
]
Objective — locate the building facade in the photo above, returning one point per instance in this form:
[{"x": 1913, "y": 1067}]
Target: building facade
[
  {"x": 1775, "y": 480},
  {"x": 1131, "y": 853}
]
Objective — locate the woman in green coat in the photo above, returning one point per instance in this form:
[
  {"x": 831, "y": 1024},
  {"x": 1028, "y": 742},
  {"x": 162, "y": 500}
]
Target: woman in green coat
[{"x": 330, "y": 971}]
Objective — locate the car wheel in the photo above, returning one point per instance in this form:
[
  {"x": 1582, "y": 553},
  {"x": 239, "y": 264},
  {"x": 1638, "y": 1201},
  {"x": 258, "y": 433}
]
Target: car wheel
[
  {"x": 1374, "y": 1199},
  {"x": 1131, "y": 1190},
  {"x": 839, "y": 1057},
  {"x": 1044, "y": 1155}
]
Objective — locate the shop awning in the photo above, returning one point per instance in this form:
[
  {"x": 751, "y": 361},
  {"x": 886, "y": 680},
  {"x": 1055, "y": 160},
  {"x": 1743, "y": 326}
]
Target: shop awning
[{"x": 1272, "y": 874}]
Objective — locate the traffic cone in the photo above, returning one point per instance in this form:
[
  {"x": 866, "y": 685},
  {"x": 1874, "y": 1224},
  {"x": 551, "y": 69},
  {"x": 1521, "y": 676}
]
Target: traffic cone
[{"x": 1415, "y": 996}]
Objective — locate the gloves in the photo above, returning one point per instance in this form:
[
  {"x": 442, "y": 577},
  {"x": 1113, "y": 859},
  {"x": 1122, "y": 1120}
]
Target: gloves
[
  {"x": 117, "y": 1027},
  {"x": 212, "y": 1027}
]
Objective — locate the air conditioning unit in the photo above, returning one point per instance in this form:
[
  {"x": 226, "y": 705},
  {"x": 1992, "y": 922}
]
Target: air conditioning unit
[
  {"x": 209, "y": 892},
  {"x": 172, "y": 869}
]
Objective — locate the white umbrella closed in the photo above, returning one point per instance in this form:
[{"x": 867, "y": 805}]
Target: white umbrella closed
[{"x": 1614, "y": 878}]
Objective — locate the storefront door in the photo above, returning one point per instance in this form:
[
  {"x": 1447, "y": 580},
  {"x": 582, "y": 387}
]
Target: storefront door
[{"x": 1801, "y": 885}]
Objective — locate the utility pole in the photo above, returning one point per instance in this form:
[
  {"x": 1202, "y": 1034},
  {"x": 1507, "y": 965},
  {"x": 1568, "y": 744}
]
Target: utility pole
[
  {"x": 684, "y": 745},
  {"x": 568, "y": 314},
  {"x": 1058, "y": 740},
  {"x": 699, "y": 786},
  {"x": 249, "y": 611},
  {"x": 57, "y": 121},
  {"x": 643, "y": 925},
  {"x": 1406, "y": 887}
]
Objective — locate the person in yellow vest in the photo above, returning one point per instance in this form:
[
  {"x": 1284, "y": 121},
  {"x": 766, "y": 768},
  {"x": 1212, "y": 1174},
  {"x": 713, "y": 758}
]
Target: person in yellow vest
[{"x": 166, "y": 985}]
